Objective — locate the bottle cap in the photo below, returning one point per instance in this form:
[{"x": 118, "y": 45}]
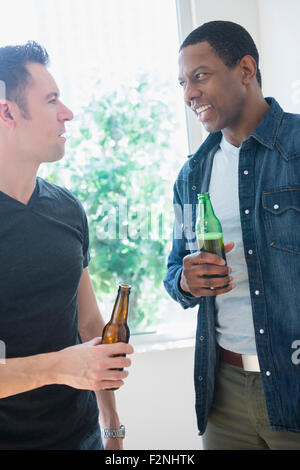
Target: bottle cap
[{"x": 124, "y": 286}]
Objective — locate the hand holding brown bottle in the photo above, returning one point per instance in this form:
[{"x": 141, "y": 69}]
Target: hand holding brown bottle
[{"x": 94, "y": 366}]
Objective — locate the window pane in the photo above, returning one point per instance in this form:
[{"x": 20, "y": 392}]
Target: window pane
[{"x": 115, "y": 63}]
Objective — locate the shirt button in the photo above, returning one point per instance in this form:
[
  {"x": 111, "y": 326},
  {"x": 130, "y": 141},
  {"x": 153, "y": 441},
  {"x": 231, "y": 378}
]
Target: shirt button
[
  {"x": 201, "y": 338},
  {"x": 193, "y": 188},
  {"x": 246, "y": 172},
  {"x": 200, "y": 378},
  {"x": 268, "y": 373},
  {"x": 250, "y": 252},
  {"x": 257, "y": 292},
  {"x": 276, "y": 206},
  {"x": 247, "y": 211},
  {"x": 261, "y": 331}
]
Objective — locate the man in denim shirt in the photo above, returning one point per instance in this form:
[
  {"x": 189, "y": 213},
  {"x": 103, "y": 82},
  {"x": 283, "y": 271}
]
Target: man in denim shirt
[{"x": 247, "y": 355}]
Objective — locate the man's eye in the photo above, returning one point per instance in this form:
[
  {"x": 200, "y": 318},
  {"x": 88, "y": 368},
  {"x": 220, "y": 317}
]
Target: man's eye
[
  {"x": 53, "y": 101},
  {"x": 201, "y": 75},
  {"x": 182, "y": 83}
]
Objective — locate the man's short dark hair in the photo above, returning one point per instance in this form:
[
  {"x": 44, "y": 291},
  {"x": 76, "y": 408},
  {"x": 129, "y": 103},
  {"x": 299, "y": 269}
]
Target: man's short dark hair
[
  {"x": 13, "y": 71},
  {"x": 229, "y": 40}
]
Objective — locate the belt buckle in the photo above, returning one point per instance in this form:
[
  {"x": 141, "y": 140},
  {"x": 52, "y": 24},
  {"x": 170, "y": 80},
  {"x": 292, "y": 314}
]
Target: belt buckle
[{"x": 250, "y": 363}]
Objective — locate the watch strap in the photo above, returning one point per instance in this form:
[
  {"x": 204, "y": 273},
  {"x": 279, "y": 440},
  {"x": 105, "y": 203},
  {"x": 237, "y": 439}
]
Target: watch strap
[{"x": 115, "y": 433}]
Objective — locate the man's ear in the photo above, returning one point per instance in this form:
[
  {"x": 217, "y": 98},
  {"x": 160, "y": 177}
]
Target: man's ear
[
  {"x": 8, "y": 113},
  {"x": 248, "y": 68}
]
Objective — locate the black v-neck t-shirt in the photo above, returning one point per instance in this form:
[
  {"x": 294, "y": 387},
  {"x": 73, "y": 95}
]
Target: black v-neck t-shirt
[{"x": 44, "y": 247}]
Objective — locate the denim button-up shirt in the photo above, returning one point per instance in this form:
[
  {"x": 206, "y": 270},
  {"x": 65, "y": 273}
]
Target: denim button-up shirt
[{"x": 269, "y": 198}]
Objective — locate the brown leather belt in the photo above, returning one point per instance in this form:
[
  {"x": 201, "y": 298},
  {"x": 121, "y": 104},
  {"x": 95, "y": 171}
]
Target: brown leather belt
[{"x": 231, "y": 358}]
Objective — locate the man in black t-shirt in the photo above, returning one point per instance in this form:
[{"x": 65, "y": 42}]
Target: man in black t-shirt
[{"x": 56, "y": 371}]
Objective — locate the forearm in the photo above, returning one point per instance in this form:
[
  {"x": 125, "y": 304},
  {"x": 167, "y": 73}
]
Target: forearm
[
  {"x": 107, "y": 409},
  {"x": 108, "y": 414},
  {"x": 22, "y": 374},
  {"x": 105, "y": 399}
]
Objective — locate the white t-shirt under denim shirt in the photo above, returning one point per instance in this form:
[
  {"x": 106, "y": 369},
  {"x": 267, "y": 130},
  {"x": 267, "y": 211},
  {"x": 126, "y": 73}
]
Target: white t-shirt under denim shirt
[{"x": 235, "y": 329}]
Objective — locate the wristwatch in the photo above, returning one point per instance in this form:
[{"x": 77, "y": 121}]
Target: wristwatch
[{"x": 117, "y": 433}]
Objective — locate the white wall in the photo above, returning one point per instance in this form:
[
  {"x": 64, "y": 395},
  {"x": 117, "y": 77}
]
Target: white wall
[
  {"x": 157, "y": 402},
  {"x": 280, "y": 57},
  {"x": 244, "y": 12}
]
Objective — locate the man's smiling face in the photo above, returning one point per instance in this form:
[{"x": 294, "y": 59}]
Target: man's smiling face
[{"x": 211, "y": 89}]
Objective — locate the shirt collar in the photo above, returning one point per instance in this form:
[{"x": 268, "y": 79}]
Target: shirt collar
[
  {"x": 208, "y": 145},
  {"x": 267, "y": 130}
]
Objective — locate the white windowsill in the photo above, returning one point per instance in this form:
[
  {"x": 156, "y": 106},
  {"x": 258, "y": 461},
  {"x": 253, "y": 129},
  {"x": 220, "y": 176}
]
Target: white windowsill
[{"x": 159, "y": 342}]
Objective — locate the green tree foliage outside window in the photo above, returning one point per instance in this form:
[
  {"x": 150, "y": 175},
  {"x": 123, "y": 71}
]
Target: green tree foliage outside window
[{"x": 114, "y": 167}]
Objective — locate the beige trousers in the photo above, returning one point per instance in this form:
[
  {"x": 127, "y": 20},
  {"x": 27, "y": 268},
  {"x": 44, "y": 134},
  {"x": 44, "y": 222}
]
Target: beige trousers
[{"x": 238, "y": 418}]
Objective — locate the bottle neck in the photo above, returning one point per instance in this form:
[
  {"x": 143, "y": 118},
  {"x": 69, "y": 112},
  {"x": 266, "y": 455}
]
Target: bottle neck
[
  {"x": 206, "y": 208},
  {"x": 206, "y": 214},
  {"x": 208, "y": 225},
  {"x": 120, "y": 310}
]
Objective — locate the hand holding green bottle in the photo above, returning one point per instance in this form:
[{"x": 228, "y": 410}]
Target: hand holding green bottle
[
  {"x": 199, "y": 265},
  {"x": 205, "y": 273}
]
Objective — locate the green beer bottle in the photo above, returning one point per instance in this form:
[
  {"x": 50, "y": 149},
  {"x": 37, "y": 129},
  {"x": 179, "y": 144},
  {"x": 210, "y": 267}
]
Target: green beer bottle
[{"x": 209, "y": 230}]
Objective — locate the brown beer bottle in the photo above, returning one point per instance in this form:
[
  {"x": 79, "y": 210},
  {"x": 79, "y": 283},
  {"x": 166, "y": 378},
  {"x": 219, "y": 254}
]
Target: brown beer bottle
[
  {"x": 117, "y": 330},
  {"x": 208, "y": 229}
]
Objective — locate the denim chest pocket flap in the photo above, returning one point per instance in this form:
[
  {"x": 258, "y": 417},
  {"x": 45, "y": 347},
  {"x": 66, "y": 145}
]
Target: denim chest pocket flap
[{"x": 282, "y": 218}]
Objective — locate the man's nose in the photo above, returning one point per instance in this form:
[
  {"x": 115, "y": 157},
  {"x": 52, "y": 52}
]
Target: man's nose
[
  {"x": 191, "y": 93},
  {"x": 65, "y": 114}
]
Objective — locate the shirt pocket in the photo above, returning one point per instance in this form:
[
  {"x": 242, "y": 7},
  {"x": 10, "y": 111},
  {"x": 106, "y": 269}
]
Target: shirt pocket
[{"x": 282, "y": 216}]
